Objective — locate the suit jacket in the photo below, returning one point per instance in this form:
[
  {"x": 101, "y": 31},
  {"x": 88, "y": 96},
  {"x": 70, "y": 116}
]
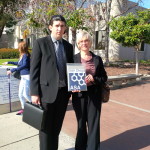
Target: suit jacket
[{"x": 43, "y": 73}]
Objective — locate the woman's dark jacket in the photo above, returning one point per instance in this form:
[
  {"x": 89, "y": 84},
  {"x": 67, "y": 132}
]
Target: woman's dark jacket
[{"x": 100, "y": 76}]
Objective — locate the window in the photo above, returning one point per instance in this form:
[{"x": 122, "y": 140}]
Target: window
[
  {"x": 142, "y": 46},
  {"x": 100, "y": 40}
]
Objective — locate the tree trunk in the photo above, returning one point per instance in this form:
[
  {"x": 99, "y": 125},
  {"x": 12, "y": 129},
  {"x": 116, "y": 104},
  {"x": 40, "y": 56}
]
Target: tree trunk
[
  {"x": 107, "y": 18},
  {"x": 1, "y": 30},
  {"x": 137, "y": 62},
  {"x": 107, "y": 46},
  {"x": 73, "y": 41},
  {"x": 3, "y": 18}
]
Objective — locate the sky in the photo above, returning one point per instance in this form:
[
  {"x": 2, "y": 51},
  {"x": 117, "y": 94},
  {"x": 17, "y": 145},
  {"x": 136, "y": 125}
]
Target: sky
[{"x": 144, "y": 3}]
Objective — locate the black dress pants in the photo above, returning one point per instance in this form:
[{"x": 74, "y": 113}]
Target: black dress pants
[
  {"x": 55, "y": 113},
  {"x": 87, "y": 108}
]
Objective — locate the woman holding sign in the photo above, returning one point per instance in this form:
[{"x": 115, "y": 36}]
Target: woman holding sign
[{"x": 87, "y": 104}]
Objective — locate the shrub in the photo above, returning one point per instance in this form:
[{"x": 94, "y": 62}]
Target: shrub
[
  {"x": 145, "y": 62},
  {"x": 7, "y": 53}
]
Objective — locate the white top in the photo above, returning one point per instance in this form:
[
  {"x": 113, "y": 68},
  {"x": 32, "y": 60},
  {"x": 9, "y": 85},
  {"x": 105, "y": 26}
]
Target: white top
[{"x": 27, "y": 77}]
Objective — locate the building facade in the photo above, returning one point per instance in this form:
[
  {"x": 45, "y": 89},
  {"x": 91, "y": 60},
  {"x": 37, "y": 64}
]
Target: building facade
[{"x": 116, "y": 51}]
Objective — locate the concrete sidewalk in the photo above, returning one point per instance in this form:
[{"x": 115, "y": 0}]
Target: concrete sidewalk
[{"x": 15, "y": 134}]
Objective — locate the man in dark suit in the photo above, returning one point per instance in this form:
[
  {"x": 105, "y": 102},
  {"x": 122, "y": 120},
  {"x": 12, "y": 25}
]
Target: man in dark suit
[{"x": 49, "y": 80}]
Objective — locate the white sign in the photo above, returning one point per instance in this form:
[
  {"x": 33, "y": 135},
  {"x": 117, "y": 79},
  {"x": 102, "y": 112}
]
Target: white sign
[
  {"x": 8, "y": 87},
  {"x": 76, "y": 77}
]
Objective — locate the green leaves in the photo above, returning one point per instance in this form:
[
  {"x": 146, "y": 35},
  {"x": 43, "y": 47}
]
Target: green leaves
[
  {"x": 76, "y": 19},
  {"x": 43, "y": 10},
  {"x": 132, "y": 29}
]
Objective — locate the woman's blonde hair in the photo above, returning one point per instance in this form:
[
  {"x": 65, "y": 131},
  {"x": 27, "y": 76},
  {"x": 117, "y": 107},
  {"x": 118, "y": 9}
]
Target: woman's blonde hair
[
  {"x": 82, "y": 34},
  {"x": 23, "y": 48}
]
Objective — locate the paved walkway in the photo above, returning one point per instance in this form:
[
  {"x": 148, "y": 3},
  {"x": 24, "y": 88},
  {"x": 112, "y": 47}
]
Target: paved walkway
[
  {"x": 15, "y": 134},
  {"x": 125, "y": 120},
  {"x": 125, "y": 124}
]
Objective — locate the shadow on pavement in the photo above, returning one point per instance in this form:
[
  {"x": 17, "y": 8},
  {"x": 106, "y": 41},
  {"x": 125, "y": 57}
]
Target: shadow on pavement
[{"x": 134, "y": 139}]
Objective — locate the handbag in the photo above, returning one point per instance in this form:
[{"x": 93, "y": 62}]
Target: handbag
[
  {"x": 105, "y": 93},
  {"x": 16, "y": 75},
  {"x": 34, "y": 115}
]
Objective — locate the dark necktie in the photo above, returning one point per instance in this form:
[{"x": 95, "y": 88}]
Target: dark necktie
[{"x": 60, "y": 60}]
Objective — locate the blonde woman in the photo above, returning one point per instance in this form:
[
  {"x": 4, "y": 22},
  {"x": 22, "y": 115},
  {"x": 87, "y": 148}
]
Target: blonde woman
[
  {"x": 23, "y": 65},
  {"x": 87, "y": 104}
]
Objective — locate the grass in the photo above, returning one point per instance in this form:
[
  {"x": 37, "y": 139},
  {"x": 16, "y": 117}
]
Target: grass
[
  {"x": 6, "y": 60},
  {"x": 145, "y": 62}
]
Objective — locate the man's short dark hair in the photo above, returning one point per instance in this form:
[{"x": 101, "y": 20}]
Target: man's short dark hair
[{"x": 57, "y": 18}]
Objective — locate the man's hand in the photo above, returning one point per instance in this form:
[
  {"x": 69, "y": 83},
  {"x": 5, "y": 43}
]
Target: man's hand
[{"x": 35, "y": 100}]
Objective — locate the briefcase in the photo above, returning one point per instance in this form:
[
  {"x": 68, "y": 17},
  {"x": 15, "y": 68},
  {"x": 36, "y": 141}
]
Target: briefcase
[{"x": 34, "y": 115}]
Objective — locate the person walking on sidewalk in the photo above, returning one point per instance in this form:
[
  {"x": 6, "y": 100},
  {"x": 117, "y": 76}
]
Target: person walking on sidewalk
[
  {"x": 87, "y": 104},
  {"x": 49, "y": 80},
  {"x": 23, "y": 66}
]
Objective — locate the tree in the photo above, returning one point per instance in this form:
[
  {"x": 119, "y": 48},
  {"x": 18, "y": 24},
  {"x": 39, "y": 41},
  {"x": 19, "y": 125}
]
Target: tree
[
  {"x": 10, "y": 23},
  {"x": 105, "y": 11},
  {"x": 8, "y": 9},
  {"x": 6, "y": 20},
  {"x": 73, "y": 10},
  {"x": 132, "y": 30},
  {"x": 77, "y": 18}
]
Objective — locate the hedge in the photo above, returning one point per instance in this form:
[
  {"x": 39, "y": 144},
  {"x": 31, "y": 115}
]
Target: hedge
[
  {"x": 9, "y": 53},
  {"x": 6, "y": 53}
]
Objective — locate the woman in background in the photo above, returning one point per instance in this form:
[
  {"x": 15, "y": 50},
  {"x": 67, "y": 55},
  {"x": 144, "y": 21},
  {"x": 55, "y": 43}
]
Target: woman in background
[
  {"x": 87, "y": 104},
  {"x": 23, "y": 66}
]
